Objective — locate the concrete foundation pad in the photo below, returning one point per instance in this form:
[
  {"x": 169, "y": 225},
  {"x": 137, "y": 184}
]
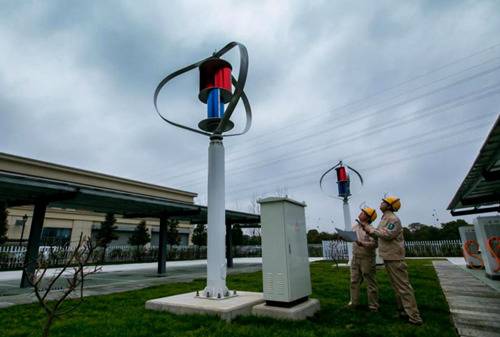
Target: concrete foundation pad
[
  {"x": 188, "y": 303},
  {"x": 299, "y": 312}
]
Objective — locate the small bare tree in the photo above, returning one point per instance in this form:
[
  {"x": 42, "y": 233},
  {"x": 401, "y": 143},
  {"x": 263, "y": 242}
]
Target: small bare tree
[
  {"x": 74, "y": 271},
  {"x": 281, "y": 191},
  {"x": 254, "y": 206}
]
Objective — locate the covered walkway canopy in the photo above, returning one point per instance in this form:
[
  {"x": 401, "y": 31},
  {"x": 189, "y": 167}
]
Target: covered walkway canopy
[
  {"x": 21, "y": 190},
  {"x": 480, "y": 190},
  {"x": 25, "y": 181}
]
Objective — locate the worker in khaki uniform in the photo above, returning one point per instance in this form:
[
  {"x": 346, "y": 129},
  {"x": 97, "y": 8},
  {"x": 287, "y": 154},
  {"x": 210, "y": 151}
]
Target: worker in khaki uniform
[
  {"x": 363, "y": 265},
  {"x": 391, "y": 248}
]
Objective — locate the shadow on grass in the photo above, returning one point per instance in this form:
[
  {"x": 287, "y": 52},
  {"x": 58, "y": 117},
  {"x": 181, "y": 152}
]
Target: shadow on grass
[{"x": 123, "y": 314}]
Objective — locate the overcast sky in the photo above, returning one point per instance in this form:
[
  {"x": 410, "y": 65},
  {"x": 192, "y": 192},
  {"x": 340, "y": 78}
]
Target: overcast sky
[{"x": 405, "y": 92}]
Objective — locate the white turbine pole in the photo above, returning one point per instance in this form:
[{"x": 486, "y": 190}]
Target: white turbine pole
[
  {"x": 216, "y": 232},
  {"x": 348, "y": 225}
]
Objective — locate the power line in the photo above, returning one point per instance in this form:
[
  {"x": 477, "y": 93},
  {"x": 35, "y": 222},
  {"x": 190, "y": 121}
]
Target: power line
[
  {"x": 232, "y": 174},
  {"x": 372, "y": 153},
  {"x": 429, "y": 93},
  {"x": 316, "y": 174},
  {"x": 438, "y": 133},
  {"x": 413, "y": 157},
  {"x": 329, "y": 129},
  {"x": 254, "y": 145},
  {"x": 458, "y": 102},
  {"x": 315, "y": 133},
  {"x": 430, "y": 72}
]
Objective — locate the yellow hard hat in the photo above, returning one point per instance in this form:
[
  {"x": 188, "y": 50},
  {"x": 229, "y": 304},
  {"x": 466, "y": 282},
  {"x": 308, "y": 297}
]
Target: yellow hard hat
[
  {"x": 394, "y": 202},
  {"x": 370, "y": 213}
]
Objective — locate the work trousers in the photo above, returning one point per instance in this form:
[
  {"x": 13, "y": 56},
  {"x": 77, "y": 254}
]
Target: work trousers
[
  {"x": 364, "y": 268},
  {"x": 405, "y": 297}
]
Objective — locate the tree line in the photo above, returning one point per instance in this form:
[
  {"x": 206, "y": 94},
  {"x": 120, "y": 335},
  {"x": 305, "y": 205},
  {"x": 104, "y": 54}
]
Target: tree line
[
  {"x": 140, "y": 237},
  {"x": 412, "y": 232},
  {"x": 238, "y": 238}
]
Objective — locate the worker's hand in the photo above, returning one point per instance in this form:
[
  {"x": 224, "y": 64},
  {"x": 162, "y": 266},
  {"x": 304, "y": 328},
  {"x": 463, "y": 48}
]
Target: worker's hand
[
  {"x": 364, "y": 227},
  {"x": 359, "y": 243}
]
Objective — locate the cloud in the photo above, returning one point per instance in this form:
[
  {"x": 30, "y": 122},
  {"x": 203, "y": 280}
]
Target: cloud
[{"x": 76, "y": 84}]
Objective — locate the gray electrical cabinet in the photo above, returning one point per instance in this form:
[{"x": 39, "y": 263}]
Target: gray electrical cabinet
[
  {"x": 285, "y": 258},
  {"x": 471, "y": 252},
  {"x": 488, "y": 231}
]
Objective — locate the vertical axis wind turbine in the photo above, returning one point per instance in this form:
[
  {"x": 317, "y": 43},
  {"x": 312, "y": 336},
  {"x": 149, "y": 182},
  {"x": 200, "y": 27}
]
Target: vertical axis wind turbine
[
  {"x": 216, "y": 90},
  {"x": 344, "y": 193}
]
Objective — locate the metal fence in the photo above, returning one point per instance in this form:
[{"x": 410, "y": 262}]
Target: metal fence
[
  {"x": 337, "y": 250},
  {"x": 12, "y": 257},
  {"x": 442, "y": 248}
]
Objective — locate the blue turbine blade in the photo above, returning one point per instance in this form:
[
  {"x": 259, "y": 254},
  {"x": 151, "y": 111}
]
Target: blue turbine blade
[{"x": 215, "y": 107}]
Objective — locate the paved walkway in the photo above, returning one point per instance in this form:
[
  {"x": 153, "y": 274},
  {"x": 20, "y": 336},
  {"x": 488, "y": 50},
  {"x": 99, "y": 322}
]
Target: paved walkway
[
  {"x": 124, "y": 277},
  {"x": 16, "y": 274},
  {"x": 474, "y": 305}
]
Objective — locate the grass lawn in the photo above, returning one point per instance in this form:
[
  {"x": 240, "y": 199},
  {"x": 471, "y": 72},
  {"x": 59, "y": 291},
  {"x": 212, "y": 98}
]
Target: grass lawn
[{"x": 124, "y": 315}]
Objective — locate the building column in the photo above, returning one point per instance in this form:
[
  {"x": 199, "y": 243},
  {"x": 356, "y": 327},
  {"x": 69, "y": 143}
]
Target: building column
[
  {"x": 229, "y": 253},
  {"x": 162, "y": 245},
  {"x": 31, "y": 257},
  {"x": 80, "y": 227}
]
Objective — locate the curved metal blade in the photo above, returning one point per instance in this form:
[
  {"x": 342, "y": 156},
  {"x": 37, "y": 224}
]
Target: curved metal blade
[
  {"x": 323, "y": 176},
  {"x": 238, "y": 86},
  {"x": 359, "y": 175},
  {"x": 248, "y": 113},
  {"x": 162, "y": 84}
]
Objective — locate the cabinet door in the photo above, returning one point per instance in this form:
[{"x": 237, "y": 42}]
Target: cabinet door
[
  {"x": 299, "y": 281},
  {"x": 487, "y": 228},
  {"x": 274, "y": 252}
]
